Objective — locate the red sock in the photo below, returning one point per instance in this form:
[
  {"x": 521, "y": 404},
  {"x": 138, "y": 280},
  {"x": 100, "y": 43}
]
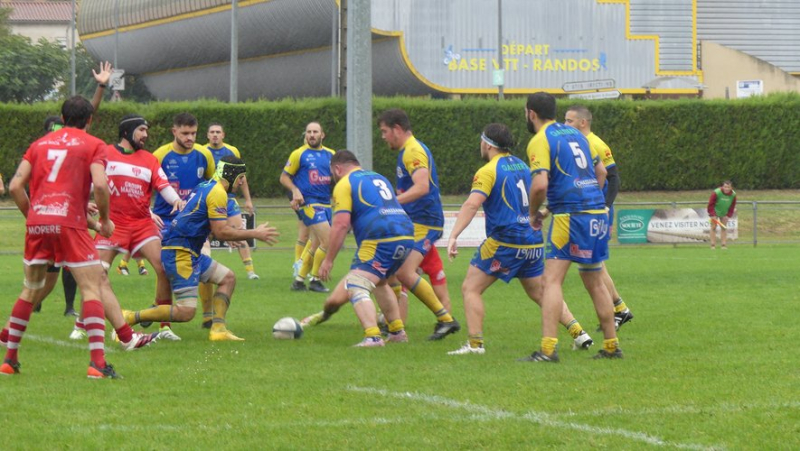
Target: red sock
[
  {"x": 164, "y": 302},
  {"x": 125, "y": 333},
  {"x": 94, "y": 320},
  {"x": 79, "y": 324},
  {"x": 20, "y": 315},
  {"x": 4, "y": 335}
]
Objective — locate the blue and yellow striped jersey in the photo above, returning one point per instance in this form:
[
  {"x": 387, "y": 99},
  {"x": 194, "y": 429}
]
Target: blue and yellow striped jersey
[
  {"x": 184, "y": 171},
  {"x": 506, "y": 181},
  {"x": 427, "y": 210},
  {"x": 374, "y": 211},
  {"x": 310, "y": 170},
  {"x": 565, "y": 153},
  {"x": 190, "y": 228}
]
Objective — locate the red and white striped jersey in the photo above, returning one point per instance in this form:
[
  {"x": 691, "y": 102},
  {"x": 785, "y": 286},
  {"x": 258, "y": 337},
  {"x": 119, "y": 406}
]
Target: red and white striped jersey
[{"x": 132, "y": 178}]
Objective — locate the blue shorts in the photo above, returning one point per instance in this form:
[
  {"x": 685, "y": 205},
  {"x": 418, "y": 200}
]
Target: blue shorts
[
  {"x": 610, "y": 220},
  {"x": 312, "y": 214},
  {"x": 424, "y": 237},
  {"x": 581, "y": 238},
  {"x": 382, "y": 258},
  {"x": 507, "y": 261},
  {"x": 233, "y": 207},
  {"x": 185, "y": 270}
]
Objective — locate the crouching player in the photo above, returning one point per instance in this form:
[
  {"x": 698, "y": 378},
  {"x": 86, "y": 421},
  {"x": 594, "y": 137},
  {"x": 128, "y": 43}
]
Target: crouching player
[
  {"x": 512, "y": 248},
  {"x": 384, "y": 235},
  {"x": 206, "y": 211}
]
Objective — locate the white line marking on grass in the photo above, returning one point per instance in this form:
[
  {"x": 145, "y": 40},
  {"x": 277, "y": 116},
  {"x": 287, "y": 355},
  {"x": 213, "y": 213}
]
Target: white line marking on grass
[
  {"x": 66, "y": 344},
  {"x": 722, "y": 408},
  {"x": 533, "y": 416}
]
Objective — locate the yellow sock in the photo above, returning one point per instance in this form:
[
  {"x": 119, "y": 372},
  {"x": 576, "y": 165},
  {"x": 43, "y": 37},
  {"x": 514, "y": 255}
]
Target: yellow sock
[
  {"x": 157, "y": 313},
  {"x": 423, "y": 290},
  {"x": 299, "y": 246},
  {"x": 476, "y": 340},
  {"x": 308, "y": 262},
  {"x": 574, "y": 328},
  {"x": 205, "y": 290},
  {"x": 611, "y": 344},
  {"x": 619, "y": 306},
  {"x": 549, "y": 345},
  {"x": 248, "y": 264},
  {"x": 318, "y": 257},
  {"x": 371, "y": 332},
  {"x": 396, "y": 326},
  {"x": 397, "y": 288},
  {"x": 123, "y": 263},
  {"x": 221, "y": 303},
  {"x": 141, "y": 263}
]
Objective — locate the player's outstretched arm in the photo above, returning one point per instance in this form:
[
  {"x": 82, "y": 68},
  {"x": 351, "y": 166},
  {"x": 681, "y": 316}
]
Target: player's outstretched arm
[
  {"x": 263, "y": 232},
  {"x": 101, "y": 78}
]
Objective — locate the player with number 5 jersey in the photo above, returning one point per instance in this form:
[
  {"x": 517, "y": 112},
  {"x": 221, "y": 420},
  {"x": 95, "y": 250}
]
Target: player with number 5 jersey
[
  {"x": 512, "y": 248},
  {"x": 570, "y": 176}
]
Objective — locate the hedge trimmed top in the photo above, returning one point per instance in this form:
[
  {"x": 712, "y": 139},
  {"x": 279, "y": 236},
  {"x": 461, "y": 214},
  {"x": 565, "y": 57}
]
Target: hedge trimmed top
[{"x": 658, "y": 145}]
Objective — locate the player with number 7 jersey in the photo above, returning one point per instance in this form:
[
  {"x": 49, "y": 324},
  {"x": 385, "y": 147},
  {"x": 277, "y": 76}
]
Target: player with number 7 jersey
[{"x": 62, "y": 200}]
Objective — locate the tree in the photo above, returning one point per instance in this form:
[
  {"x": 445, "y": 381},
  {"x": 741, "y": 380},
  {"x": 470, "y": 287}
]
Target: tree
[{"x": 30, "y": 72}]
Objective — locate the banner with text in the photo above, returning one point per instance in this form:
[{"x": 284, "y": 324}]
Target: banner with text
[
  {"x": 682, "y": 225},
  {"x": 472, "y": 236}
]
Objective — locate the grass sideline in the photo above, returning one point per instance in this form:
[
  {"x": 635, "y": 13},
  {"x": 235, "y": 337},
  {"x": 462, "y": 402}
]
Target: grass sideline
[{"x": 710, "y": 364}]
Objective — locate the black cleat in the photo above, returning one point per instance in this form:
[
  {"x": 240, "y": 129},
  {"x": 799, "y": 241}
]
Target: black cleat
[
  {"x": 539, "y": 356},
  {"x": 206, "y": 324},
  {"x": 102, "y": 373},
  {"x": 71, "y": 312},
  {"x": 622, "y": 318},
  {"x": 317, "y": 287},
  {"x": 443, "y": 329},
  {"x": 298, "y": 286},
  {"x": 603, "y": 354}
]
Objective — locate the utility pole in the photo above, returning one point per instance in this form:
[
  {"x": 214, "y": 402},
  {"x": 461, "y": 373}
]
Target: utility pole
[
  {"x": 72, "y": 89},
  {"x": 500, "y": 49},
  {"x": 359, "y": 80},
  {"x": 234, "y": 93}
]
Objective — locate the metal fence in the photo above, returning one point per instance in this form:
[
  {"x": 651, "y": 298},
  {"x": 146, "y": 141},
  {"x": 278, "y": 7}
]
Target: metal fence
[{"x": 760, "y": 222}]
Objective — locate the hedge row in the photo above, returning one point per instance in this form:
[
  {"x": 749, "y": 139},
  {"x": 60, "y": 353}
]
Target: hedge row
[{"x": 659, "y": 145}]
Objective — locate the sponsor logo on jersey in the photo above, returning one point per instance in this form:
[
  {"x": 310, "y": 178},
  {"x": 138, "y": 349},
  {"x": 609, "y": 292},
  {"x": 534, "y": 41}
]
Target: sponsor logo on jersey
[
  {"x": 43, "y": 229},
  {"x": 55, "y": 209},
  {"x": 315, "y": 178},
  {"x": 391, "y": 211},
  {"x": 132, "y": 190},
  {"x": 585, "y": 183}
]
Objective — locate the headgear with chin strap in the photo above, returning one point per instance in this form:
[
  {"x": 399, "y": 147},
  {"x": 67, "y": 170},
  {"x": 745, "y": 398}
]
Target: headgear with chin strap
[
  {"x": 230, "y": 168},
  {"x": 128, "y": 126}
]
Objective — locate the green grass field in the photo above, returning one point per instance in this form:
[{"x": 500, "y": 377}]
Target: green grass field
[{"x": 711, "y": 363}]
